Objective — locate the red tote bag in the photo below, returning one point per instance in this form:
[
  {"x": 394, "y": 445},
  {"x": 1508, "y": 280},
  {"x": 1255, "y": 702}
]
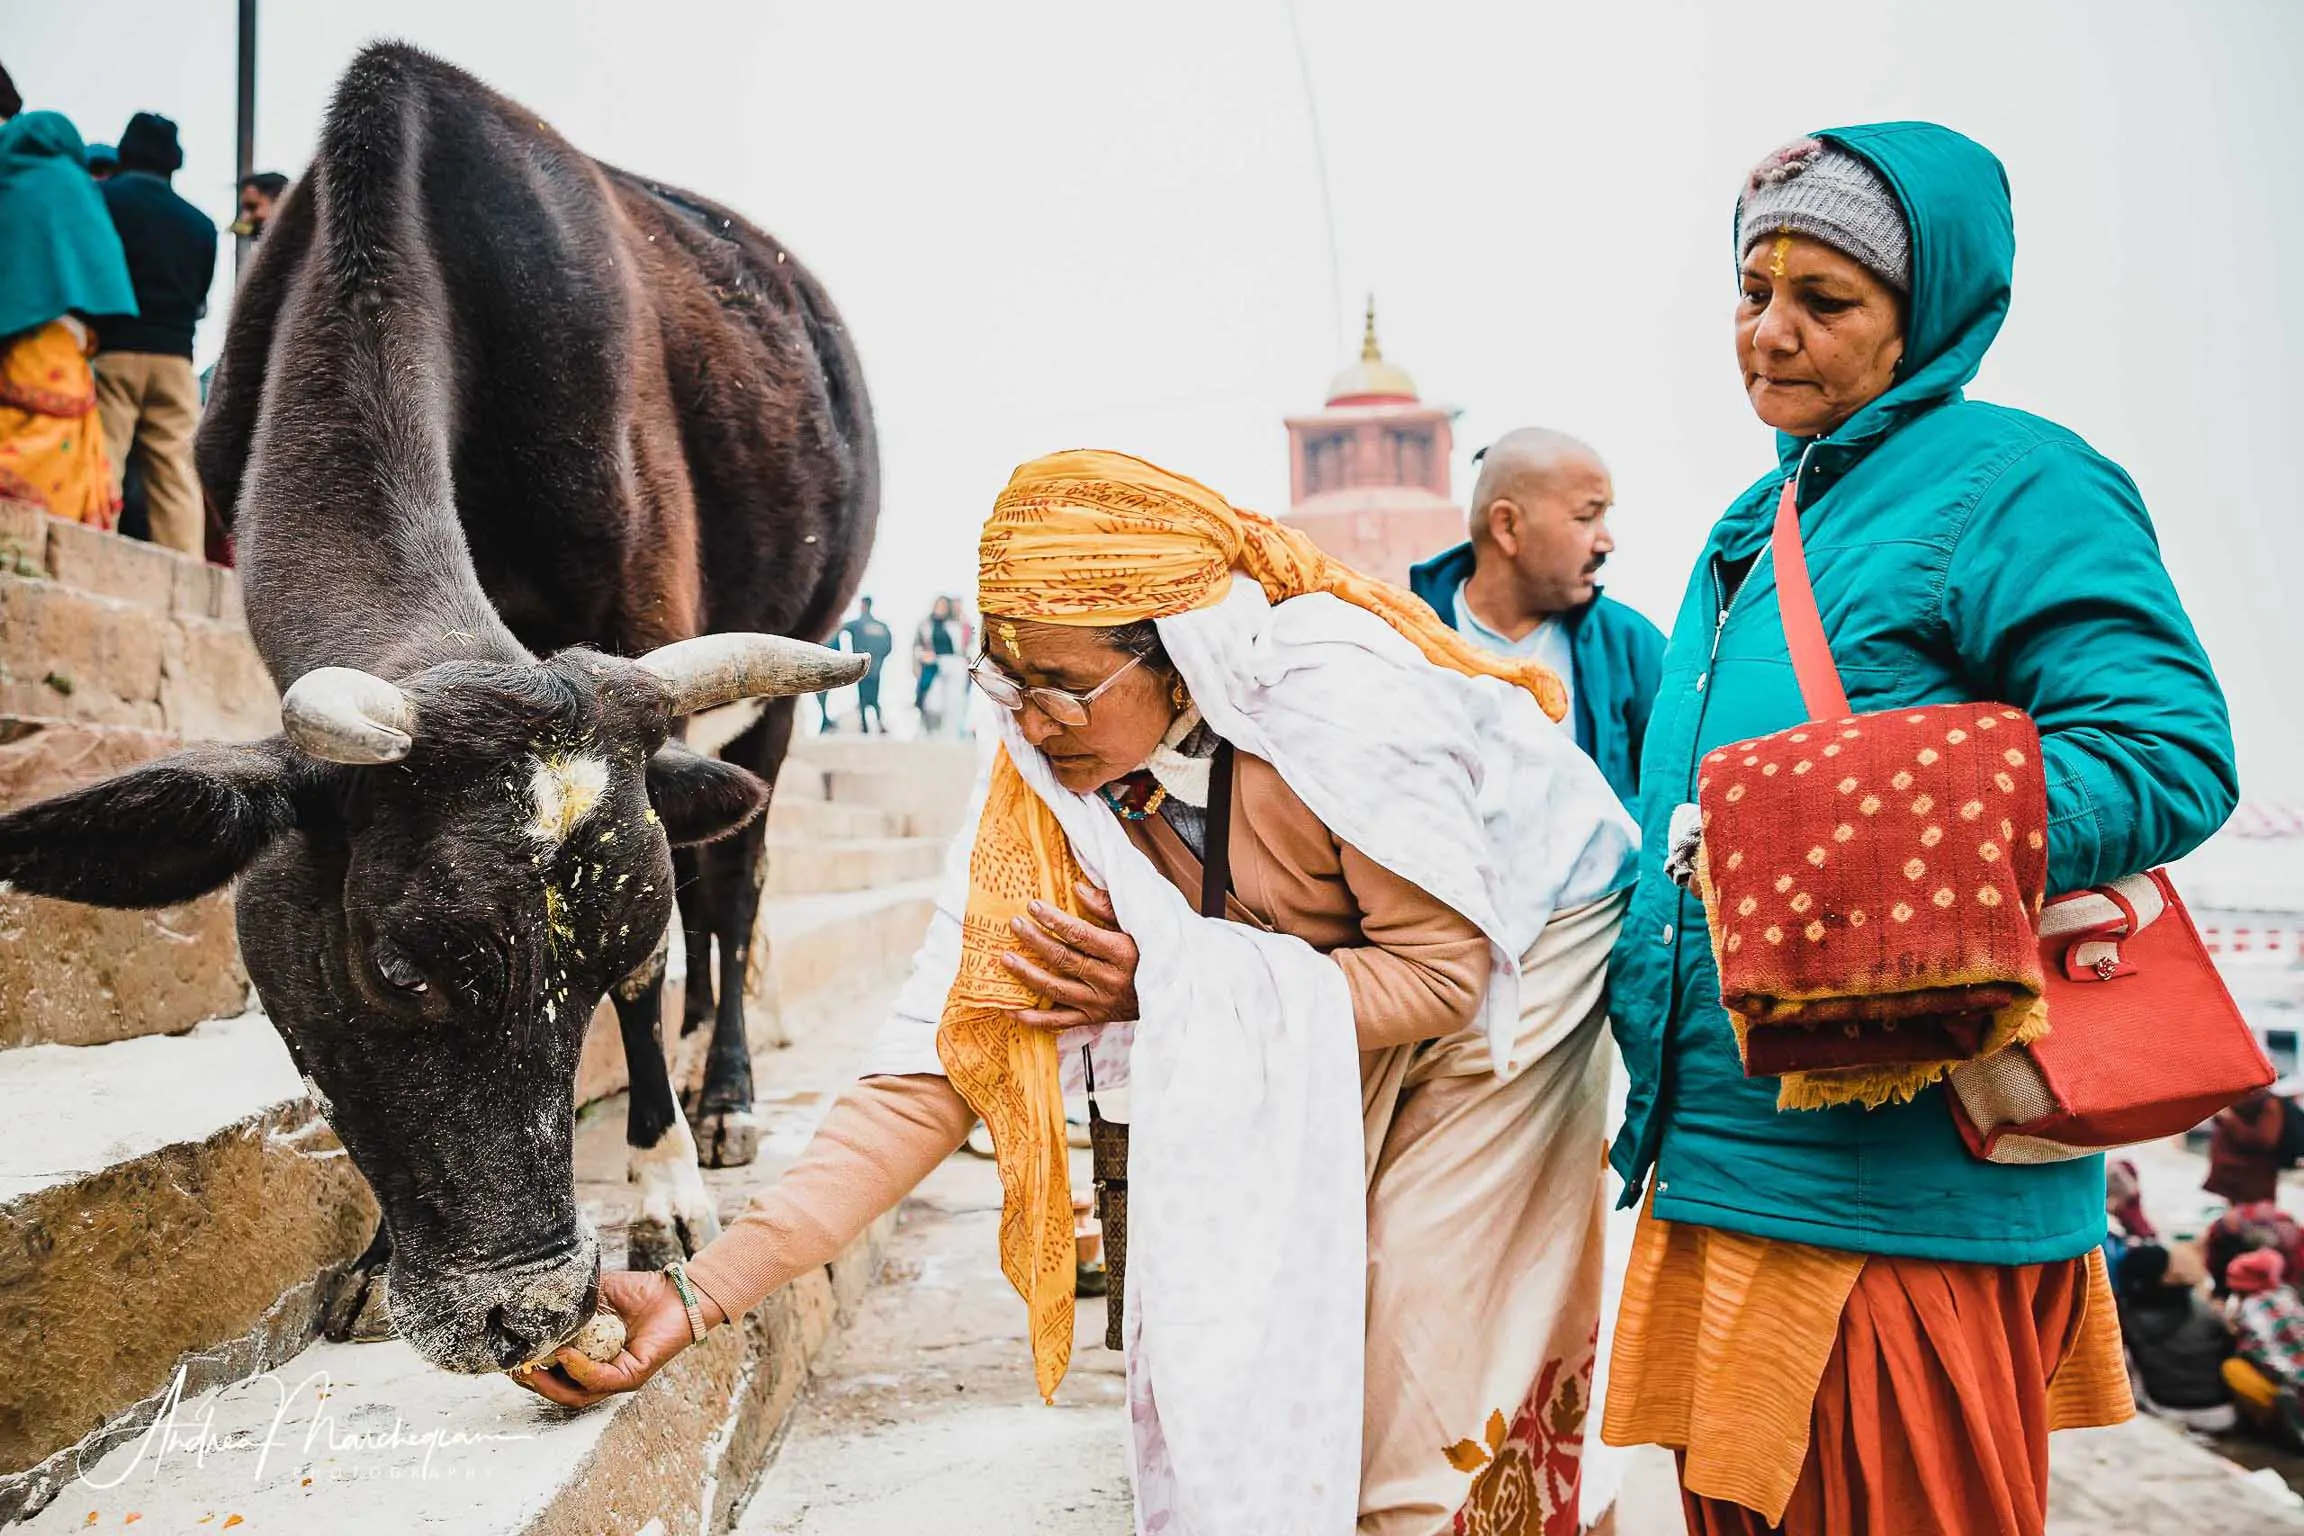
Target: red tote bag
[{"x": 2144, "y": 1039}]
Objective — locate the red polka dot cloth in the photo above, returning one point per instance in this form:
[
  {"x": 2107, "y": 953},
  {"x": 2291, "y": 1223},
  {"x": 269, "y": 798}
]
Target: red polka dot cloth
[{"x": 1872, "y": 887}]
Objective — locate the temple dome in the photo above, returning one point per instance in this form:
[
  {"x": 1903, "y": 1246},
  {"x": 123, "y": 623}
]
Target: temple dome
[{"x": 1371, "y": 380}]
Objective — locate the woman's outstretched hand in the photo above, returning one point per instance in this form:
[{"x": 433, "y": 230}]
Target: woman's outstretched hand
[
  {"x": 655, "y": 1330},
  {"x": 1085, "y": 966}
]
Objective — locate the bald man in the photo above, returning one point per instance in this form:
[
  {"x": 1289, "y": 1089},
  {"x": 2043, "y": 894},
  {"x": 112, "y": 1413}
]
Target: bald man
[{"x": 1527, "y": 585}]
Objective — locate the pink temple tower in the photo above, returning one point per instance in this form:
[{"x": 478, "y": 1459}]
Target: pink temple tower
[{"x": 1368, "y": 475}]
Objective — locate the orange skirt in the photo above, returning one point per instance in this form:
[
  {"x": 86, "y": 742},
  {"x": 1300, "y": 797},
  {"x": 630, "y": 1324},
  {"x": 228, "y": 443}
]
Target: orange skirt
[
  {"x": 51, "y": 443},
  {"x": 1936, "y": 1402}
]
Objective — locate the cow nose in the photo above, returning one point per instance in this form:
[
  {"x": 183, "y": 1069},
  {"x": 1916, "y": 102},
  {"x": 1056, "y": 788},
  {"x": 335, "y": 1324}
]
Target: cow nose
[
  {"x": 516, "y": 1339},
  {"x": 522, "y": 1329}
]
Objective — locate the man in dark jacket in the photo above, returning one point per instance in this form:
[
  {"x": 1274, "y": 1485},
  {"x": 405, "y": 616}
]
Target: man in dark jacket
[
  {"x": 1526, "y": 585},
  {"x": 144, "y": 385}
]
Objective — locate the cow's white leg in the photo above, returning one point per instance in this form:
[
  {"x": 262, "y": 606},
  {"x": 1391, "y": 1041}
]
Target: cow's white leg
[{"x": 673, "y": 1214}]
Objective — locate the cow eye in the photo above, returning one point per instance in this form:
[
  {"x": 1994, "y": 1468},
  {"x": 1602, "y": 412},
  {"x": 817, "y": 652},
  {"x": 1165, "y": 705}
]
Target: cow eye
[{"x": 397, "y": 969}]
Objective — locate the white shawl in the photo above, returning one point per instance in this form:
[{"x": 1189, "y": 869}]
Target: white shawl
[{"x": 1247, "y": 1216}]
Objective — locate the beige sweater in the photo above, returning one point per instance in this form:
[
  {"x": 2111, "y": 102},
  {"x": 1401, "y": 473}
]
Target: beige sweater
[{"x": 1416, "y": 969}]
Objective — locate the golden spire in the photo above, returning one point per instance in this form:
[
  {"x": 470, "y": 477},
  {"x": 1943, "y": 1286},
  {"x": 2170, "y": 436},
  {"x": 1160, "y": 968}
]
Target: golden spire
[{"x": 1371, "y": 380}]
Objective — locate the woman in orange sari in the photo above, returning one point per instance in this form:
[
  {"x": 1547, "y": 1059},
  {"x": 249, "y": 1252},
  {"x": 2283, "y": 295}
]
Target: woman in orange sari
[{"x": 60, "y": 260}]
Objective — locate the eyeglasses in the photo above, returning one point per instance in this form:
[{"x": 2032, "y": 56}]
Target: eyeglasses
[{"x": 1059, "y": 704}]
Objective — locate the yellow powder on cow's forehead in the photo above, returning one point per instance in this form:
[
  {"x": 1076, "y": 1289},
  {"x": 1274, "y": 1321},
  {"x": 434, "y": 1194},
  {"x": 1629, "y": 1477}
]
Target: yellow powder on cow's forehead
[{"x": 565, "y": 788}]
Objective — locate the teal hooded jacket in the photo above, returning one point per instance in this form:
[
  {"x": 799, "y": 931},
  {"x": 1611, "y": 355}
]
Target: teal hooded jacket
[
  {"x": 1959, "y": 551},
  {"x": 59, "y": 253}
]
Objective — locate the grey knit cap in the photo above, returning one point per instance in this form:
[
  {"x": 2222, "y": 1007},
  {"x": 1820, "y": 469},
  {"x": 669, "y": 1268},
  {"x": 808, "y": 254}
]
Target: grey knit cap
[{"x": 1820, "y": 190}]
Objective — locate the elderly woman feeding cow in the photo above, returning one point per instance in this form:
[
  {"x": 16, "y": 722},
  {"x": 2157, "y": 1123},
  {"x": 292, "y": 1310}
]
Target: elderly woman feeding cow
[{"x": 1325, "y": 888}]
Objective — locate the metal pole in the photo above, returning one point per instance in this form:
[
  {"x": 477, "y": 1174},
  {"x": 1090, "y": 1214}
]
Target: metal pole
[{"x": 247, "y": 145}]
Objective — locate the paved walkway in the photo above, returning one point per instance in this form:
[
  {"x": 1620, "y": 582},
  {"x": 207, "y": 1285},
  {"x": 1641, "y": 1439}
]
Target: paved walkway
[{"x": 922, "y": 1419}]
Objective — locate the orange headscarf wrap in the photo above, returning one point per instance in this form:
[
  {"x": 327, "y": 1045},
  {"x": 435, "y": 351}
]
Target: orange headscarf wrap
[{"x": 1102, "y": 539}]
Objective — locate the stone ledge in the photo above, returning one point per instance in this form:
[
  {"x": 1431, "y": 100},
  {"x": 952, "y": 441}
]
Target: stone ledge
[
  {"x": 70, "y": 654},
  {"x": 499, "y": 1461},
  {"x": 931, "y": 806},
  {"x": 73, "y": 975},
  {"x": 77, "y": 555},
  {"x": 129, "y": 569},
  {"x": 158, "y": 1200},
  {"x": 797, "y": 868},
  {"x": 78, "y": 975}
]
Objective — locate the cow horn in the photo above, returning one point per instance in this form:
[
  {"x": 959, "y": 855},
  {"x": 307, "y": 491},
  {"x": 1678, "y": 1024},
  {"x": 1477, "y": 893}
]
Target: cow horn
[
  {"x": 712, "y": 670},
  {"x": 343, "y": 715}
]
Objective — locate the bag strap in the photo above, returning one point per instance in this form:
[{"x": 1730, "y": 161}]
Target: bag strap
[
  {"x": 1812, "y": 662},
  {"x": 1216, "y": 862}
]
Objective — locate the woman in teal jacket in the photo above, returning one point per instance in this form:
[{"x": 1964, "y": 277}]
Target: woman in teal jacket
[{"x": 1886, "y": 1326}]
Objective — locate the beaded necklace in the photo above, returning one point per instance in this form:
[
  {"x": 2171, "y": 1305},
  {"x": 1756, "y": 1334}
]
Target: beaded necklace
[{"x": 1135, "y": 797}]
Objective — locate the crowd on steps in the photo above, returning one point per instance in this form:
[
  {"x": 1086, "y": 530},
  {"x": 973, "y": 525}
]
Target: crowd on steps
[{"x": 105, "y": 272}]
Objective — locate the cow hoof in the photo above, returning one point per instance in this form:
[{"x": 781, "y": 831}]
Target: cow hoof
[
  {"x": 651, "y": 1243},
  {"x": 676, "y": 1214},
  {"x": 361, "y": 1310},
  {"x": 727, "y": 1138}
]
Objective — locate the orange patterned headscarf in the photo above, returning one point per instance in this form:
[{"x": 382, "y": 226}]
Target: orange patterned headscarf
[{"x": 1102, "y": 539}]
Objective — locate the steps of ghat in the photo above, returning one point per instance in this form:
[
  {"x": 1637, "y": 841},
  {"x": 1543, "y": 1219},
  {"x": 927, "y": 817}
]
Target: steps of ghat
[
  {"x": 368, "y": 1439},
  {"x": 76, "y": 975},
  {"x": 170, "y": 1200},
  {"x": 98, "y": 628}
]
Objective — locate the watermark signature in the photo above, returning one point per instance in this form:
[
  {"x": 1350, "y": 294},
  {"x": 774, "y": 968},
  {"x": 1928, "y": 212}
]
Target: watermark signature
[{"x": 302, "y": 1426}]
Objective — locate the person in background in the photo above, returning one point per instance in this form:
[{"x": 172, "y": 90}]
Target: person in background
[
  {"x": 260, "y": 193},
  {"x": 103, "y": 162},
  {"x": 144, "y": 385},
  {"x": 2177, "y": 1341},
  {"x": 60, "y": 265},
  {"x": 1527, "y": 584},
  {"x": 2244, "y": 1150},
  {"x": 868, "y": 637},
  {"x": 2125, "y": 1221},
  {"x": 1841, "y": 1319},
  {"x": 938, "y": 655},
  {"x": 2267, "y": 1364},
  {"x": 2124, "y": 1202},
  {"x": 2246, "y": 1228}
]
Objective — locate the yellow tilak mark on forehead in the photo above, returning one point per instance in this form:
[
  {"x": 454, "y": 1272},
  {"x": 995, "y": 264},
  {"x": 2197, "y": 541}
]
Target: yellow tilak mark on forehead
[
  {"x": 1776, "y": 257},
  {"x": 1008, "y": 639},
  {"x": 565, "y": 788}
]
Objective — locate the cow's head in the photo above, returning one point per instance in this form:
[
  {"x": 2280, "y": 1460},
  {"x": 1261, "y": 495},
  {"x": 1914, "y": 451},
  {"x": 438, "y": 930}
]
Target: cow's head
[{"x": 438, "y": 880}]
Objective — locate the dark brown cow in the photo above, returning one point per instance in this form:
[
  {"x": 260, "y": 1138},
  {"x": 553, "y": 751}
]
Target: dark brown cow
[{"x": 485, "y": 400}]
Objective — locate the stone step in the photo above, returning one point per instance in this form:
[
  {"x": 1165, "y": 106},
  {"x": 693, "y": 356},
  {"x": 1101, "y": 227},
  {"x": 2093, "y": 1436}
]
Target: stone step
[
  {"x": 75, "y": 975},
  {"x": 166, "y": 1205},
  {"x": 92, "y": 560},
  {"x": 931, "y": 804},
  {"x": 792, "y": 817},
  {"x": 861, "y": 864},
  {"x": 477, "y": 1456},
  {"x": 922, "y": 785},
  {"x": 884, "y": 754},
  {"x": 81, "y": 655}
]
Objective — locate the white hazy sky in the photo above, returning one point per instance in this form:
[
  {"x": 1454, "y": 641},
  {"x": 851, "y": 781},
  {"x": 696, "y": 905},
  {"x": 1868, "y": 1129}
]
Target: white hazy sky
[{"x": 1063, "y": 224}]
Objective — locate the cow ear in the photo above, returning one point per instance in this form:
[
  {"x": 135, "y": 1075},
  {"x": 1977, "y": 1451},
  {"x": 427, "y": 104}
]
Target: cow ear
[
  {"x": 701, "y": 798},
  {"x": 163, "y": 832}
]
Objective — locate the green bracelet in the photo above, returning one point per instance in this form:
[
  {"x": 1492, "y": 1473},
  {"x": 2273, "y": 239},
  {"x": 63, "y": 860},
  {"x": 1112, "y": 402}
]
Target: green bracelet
[{"x": 677, "y": 1273}]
